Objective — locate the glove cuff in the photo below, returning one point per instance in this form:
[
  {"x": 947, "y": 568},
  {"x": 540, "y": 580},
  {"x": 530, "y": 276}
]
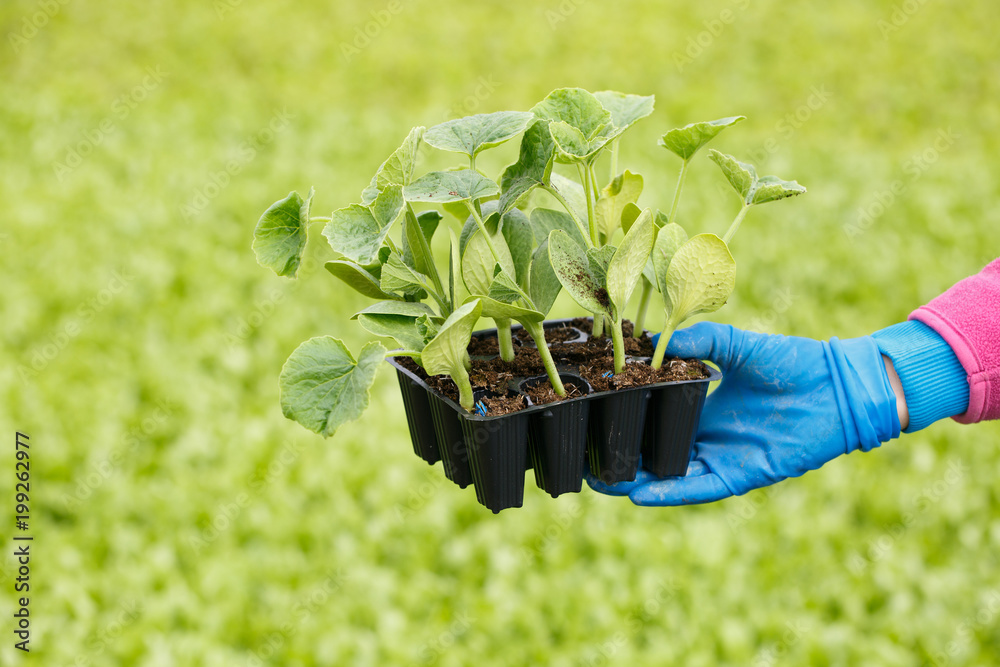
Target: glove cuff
[
  {"x": 933, "y": 379},
  {"x": 865, "y": 397}
]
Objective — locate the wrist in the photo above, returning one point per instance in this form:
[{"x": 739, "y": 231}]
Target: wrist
[
  {"x": 931, "y": 379},
  {"x": 897, "y": 388}
]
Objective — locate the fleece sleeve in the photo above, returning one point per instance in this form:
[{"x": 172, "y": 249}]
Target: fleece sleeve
[{"x": 967, "y": 318}]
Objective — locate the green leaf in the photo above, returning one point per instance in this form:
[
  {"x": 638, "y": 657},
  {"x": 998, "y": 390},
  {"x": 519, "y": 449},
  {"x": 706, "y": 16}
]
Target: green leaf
[
  {"x": 772, "y": 188},
  {"x": 427, "y": 222},
  {"x": 358, "y": 232},
  {"x": 629, "y": 214},
  {"x": 397, "y": 276},
  {"x": 504, "y": 289},
  {"x": 686, "y": 141},
  {"x": 742, "y": 176},
  {"x": 323, "y": 387},
  {"x": 625, "y": 109},
  {"x": 447, "y": 352},
  {"x": 544, "y": 220},
  {"x": 572, "y": 192},
  {"x": 752, "y": 189},
  {"x": 516, "y": 229},
  {"x": 491, "y": 219},
  {"x": 533, "y": 166},
  {"x": 280, "y": 236},
  {"x": 572, "y": 268},
  {"x": 427, "y": 328},
  {"x": 670, "y": 237},
  {"x": 575, "y": 107},
  {"x": 403, "y": 308},
  {"x": 454, "y": 264},
  {"x": 450, "y": 186},
  {"x": 700, "y": 278},
  {"x": 398, "y": 167},
  {"x": 401, "y": 328},
  {"x": 543, "y": 285},
  {"x": 623, "y": 190},
  {"x": 629, "y": 259},
  {"x": 599, "y": 259},
  {"x": 478, "y": 262},
  {"x": 359, "y": 279},
  {"x": 473, "y": 134},
  {"x": 507, "y": 311},
  {"x": 572, "y": 145}
]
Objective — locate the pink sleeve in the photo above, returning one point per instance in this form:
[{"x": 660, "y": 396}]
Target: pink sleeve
[{"x": 967, "y": 317}]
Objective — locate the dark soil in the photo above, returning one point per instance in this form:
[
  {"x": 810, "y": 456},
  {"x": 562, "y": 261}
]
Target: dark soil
[
  {"x": 592, "y": 359},
  {"x": 504, "y": 405},
  {"x": 634, "y": 347},
  {"x": 557, "y": 334},
  {"x": 542, "y": 392},
  {"x": 484, "y": 347}
]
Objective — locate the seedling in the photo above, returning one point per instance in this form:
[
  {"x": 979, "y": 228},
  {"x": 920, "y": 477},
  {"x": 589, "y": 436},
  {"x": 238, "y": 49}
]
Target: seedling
[
  {"x": 684, "y": 142},
  {"x": 697, "y": 275},
  {"x": 512, "y": 265},
  {"x": 602, "y": 280}
]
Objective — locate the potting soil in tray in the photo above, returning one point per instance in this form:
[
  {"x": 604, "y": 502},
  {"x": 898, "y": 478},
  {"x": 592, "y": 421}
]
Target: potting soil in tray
[{"x": 520, "y": 423}]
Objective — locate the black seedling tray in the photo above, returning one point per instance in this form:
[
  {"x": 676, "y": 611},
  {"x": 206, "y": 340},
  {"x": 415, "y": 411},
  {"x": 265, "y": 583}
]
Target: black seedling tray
[{"x": 609, "y": 428}]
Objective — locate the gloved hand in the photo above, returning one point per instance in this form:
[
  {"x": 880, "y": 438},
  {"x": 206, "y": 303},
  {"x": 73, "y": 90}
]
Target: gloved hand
[{"x": 785, "y": 405}]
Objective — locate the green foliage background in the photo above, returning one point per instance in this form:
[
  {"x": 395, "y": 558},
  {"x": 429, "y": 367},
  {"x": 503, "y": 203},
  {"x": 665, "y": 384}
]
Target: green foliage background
[{"x": 151, "y": 397}]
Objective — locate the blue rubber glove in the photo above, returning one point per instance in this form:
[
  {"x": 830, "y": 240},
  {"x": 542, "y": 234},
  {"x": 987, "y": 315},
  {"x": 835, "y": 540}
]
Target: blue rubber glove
[{"x": 785, "y": 406}]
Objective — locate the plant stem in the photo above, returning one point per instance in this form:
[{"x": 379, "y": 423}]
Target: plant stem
[
  {"x": 619, "y": 345},
  {"x": 461, "y": 379},
  {"x": 477, "y": 216},
  {"x": 569, "y": 209},
  {"x": 475, "y": 202},
  {"x": 677, "y": 192},
  {"x": 597, "y": 328},
  {"x": 537, "y": 332},
  {"x": 736, "y": 223},
  {"x": 434, "y": 275},
  {"x": 661, "y": 345},
  {"x": 640, "y": 317},
  {"x": 319, "y": 219},
  {"x": 591, "y": 218},
  {"x": 614, "y": 160},
  {"x": 392, "y": 246},
  {"x": 504, "y": 339}
]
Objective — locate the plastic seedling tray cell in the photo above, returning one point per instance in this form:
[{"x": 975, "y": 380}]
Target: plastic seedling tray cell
[{"x": 609, "y": 429}]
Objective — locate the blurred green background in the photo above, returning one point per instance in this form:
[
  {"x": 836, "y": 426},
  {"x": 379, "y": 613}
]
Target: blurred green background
[{"x": 179, "y": 519}]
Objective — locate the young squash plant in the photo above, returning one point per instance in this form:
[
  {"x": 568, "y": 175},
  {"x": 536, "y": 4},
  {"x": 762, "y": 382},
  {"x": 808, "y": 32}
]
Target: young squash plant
[{"x": 600, "y": 246}]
